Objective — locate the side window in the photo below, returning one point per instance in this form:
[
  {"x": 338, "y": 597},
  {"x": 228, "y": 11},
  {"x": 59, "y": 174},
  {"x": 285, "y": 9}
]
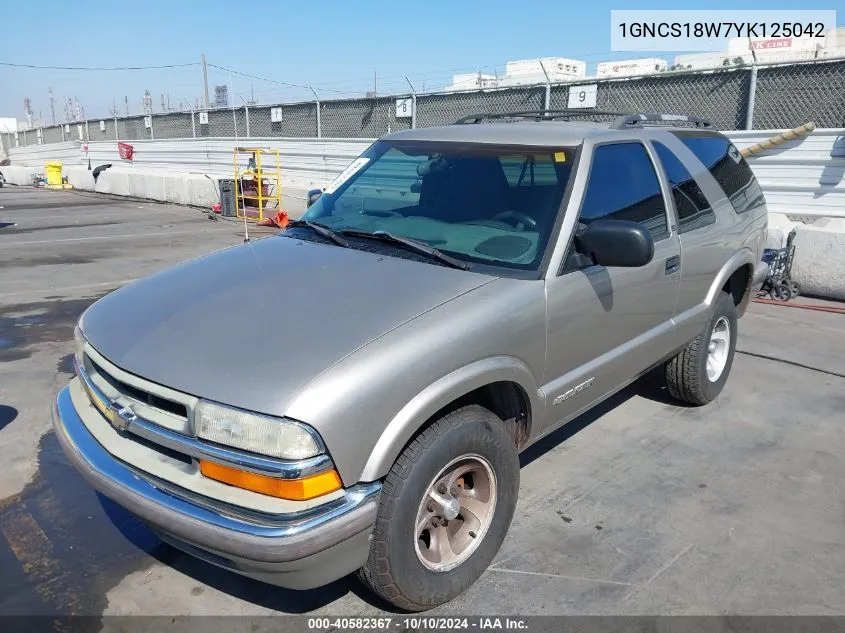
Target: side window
[
  {"x": 624, "y": 186},
  {"x": 729, "y": 169},
  {"x": 693, "y": 209}
]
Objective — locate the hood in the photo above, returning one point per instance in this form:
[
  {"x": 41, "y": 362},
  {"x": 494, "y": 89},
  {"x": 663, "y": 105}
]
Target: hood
[{"x": 252, "y": 325}]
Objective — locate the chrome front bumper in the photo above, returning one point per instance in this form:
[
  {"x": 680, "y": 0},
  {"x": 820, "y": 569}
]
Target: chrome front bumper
[{"x": 287, "y": 546}]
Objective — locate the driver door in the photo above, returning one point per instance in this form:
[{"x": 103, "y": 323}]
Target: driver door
[{"x": 607, "y": 325}]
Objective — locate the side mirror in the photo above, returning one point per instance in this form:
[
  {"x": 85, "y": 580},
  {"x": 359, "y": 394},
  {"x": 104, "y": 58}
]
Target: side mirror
[
  {"x": 616, "y": 243},
  {"x": 312, "y": 196}
]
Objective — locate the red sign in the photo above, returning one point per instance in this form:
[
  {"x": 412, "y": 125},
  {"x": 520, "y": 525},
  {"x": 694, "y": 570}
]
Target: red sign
[
  {"x": 784, "y": 42},
  {"x": 125, "y": 150}
]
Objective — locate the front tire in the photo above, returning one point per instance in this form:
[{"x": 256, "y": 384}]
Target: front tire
[
  {"x": 444, "y": 510},
  {"x": 700, "y": 370}
]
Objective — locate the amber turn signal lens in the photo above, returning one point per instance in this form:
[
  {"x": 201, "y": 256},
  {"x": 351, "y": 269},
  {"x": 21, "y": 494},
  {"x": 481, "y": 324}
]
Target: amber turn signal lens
[{"x": 293, "y": 489}]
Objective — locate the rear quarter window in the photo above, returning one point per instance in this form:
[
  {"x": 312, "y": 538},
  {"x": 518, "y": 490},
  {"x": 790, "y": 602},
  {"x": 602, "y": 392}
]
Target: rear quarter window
[{"x": 729, "y": 168}]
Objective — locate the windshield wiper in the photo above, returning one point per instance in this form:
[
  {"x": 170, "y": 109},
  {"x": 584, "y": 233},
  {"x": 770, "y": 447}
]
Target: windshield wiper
[
  {"x": 319, "y": 229},
  {"x": 414, "y": 245}
]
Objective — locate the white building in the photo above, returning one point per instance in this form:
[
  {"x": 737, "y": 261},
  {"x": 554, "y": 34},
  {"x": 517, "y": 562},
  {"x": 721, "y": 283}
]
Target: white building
[
  {"x": 771, "y": 50},
  {"x": 631, "y": 67},
  {"x": 8, "y": 124},
  {"x": 522, "y": 72},
  {"x": 472, "y": 81},
  {"x": 530, "y": 71}
]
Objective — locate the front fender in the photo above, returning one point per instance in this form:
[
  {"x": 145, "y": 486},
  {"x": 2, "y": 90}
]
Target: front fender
[{"x": 430, "y": 400}]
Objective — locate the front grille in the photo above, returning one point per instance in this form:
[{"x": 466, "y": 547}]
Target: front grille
[{"x": 169, "y": 406}]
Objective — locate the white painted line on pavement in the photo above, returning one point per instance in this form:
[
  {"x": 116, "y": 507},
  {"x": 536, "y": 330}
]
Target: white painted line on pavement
[{"x": 109, "y": 237}]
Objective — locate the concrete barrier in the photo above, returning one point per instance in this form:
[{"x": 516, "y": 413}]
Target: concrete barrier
[
  {"x": 196, "y": 190},
  {"x": 819, "y": 265},
  {"x": 16, "y": 175}
]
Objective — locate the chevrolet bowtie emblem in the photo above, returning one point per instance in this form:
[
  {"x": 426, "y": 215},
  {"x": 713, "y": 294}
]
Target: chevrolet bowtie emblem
[{"x": 121, "y": 417}]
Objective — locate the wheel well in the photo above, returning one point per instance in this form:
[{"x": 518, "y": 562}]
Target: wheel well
[
  {"x": 506, "y": 399},
  {"x": 738, "y": 283}
]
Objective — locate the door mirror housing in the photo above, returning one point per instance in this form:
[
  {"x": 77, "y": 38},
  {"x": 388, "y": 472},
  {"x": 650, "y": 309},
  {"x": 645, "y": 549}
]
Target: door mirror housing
[
  {"x": 616, "y": 243},
  {"x": 312, "y": 196}
]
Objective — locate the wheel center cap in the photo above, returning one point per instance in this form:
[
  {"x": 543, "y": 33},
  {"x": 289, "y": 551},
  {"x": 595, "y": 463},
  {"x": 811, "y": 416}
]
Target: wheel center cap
[{"x": 451, "y": 509}]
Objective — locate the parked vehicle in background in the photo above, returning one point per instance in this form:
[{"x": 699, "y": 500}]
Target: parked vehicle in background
[{"x": 455, "y": 295}]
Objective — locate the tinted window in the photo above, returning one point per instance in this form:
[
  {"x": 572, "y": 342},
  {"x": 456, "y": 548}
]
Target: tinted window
[
  {"x": 693, "y": 209},
  {"x": 729, "y": 169},
  {"x": 533, "y": 170},
  {"x": 623, "y": 186}
]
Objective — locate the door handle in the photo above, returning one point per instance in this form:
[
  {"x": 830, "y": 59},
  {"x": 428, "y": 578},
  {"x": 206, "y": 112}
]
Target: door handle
[{"x": 673, "y": 264}]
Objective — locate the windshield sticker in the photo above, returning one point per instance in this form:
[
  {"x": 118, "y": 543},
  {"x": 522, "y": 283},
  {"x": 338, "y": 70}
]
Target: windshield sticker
[
  {"x": 560, "y": 157},
  {"x": 347, "y": 173}
]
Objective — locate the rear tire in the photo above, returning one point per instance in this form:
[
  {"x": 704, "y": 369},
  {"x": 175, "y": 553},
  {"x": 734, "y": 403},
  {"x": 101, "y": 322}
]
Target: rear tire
[
  {"x": 409, "y": 564},
  {"x": 700, "y": 370}
]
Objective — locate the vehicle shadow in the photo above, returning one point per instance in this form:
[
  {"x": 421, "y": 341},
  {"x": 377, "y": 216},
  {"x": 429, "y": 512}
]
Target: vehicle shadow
[
  {"x": 7, "y": 415},
  {"x": 651, "y": 386},
  {"x": 205, "y": 574}
]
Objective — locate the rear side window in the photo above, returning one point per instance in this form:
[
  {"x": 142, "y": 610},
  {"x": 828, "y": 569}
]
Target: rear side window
[
  {"x": 691, "y": 204},
  {"x": 729, "y": 169},
  {"x": 623, "y": 186}
]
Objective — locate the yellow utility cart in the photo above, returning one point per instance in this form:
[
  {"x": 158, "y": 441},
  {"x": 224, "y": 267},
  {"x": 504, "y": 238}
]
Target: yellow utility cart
[{"x": 258, "y": 187}]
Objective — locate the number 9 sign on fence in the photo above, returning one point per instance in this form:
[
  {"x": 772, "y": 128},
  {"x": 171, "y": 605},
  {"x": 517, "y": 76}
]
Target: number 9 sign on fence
[{"x": 582, "y": 96}]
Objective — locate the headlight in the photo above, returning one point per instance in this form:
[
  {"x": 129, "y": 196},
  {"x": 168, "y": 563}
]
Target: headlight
[
  {"x": 254, "y": 432},
  {"x": 80, "y": 344}
]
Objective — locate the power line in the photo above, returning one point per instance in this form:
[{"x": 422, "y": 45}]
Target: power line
[
  {"x": 272, "y": 81},
  {"x": 98, "y": 68}
]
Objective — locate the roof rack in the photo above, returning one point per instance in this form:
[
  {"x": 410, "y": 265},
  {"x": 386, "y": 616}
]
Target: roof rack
[
  {"x": 653, "y": 118},
  {"x": 541, "y": 115},
  {"x": 618, "y": 120}
]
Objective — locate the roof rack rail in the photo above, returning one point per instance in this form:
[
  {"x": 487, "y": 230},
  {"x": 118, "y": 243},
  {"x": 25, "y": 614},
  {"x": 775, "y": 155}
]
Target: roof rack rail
[
  {"x": 543, "y": 115},
  {"x": 653, "y": 118},
  {"x": 618, "y": 120}
]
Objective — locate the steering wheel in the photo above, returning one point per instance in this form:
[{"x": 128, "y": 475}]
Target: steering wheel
[
  {"x": 381, "y": 214},
  {"x": 518, "y": 220}
]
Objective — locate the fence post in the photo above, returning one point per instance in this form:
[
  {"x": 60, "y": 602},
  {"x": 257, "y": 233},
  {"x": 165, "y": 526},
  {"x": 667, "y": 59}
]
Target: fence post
[
  {"x": 24, "y": 137},
  {"x": 116, "y": 133},
  {"x": 548, "y": 97},
  {"x": 317, "y": 101},
  {"x": 752, "y": 95},
  {"x": 193, "y": 124},
  {"x": 87, "y": 133},
  {"x": 62, "y": 127},
  {"x": 413, "y": 104},
  {"x": 246, "y": 115}
]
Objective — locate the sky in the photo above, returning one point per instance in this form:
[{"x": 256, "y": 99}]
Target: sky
[{"x": 336, "y": 46}]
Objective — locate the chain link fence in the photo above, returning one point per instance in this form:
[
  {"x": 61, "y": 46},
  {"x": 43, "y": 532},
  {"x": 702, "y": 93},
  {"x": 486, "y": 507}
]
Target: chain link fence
[
  {"x": 787, "y": 96},
  {"x": 770, "y": 97},
  {"x": 721, "y": 96}
]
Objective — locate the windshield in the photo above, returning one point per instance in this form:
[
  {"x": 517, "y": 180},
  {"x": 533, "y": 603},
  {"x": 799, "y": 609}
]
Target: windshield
[{"x": 478, "y": 203}]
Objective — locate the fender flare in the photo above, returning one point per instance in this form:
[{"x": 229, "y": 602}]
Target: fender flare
[
  {"x": 739, "y": 259},
  {"x": 411, "y": 417}
]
